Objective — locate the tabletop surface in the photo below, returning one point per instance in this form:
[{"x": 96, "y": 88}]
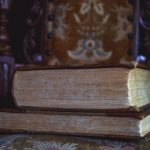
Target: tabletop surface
[{"x": 60, "y": 142}]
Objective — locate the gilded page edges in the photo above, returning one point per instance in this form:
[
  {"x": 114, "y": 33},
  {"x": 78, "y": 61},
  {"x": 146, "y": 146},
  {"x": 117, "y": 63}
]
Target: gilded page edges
[
  {"x": 139, "y": 87},
  {"x": 132, "y": 88}
]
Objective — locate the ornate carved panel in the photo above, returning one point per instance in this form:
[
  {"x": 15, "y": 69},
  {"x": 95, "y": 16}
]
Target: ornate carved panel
[
  {"x": 6, "y": 60},
  {"x": 5, "y": 48},
  {"x": 33, "y": 38},
  {"x": 145, "y": 29},
  {"x": 73, "y": 32},
  {"x": 91, "y": 32}
]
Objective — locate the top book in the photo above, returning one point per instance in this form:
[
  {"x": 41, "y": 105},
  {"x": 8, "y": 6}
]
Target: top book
[{"x": 101, "y": 89}]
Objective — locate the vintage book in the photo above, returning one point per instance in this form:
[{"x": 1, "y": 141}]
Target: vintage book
[
  {"x": 122, "y": 125},
  {"x": 106, "y": 89}
]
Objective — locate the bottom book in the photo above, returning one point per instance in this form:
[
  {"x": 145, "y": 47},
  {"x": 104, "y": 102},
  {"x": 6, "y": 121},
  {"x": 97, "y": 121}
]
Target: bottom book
[
  {"x": 76, "y": 124},
  {"x": 58, "y": 142}
]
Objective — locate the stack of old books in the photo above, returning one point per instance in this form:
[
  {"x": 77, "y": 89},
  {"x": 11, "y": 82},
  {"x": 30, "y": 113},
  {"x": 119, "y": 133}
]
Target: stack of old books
[
  {"x": 86, "y": 101},
  {"x": 91, "y": 100}
]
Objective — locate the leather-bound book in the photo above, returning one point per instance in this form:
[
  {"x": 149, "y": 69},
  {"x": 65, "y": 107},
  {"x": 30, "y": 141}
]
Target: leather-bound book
[
  {"x": 100, "y": 89},
  {"x": 120, "y": 125}
]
